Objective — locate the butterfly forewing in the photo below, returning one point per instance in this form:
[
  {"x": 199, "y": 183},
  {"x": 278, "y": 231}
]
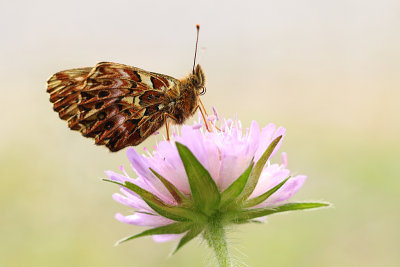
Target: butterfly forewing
[{"x": 116, "y": 104}]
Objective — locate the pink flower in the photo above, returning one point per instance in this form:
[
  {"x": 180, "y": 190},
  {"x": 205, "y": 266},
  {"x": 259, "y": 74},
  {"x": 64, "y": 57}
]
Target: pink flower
[{"x": 226, "y": 153}]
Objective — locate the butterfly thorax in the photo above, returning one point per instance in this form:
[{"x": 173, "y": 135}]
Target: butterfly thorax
[{"x": 188, "y": 101}]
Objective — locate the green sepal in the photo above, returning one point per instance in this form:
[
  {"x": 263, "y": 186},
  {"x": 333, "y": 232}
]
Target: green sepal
[
  {"x": 259, "y": 199},
  {"x": 256, "y": 172},
  {"x": 255, "y": 213},
  {"x": 194, "y": 231},
  {"x": 205, "y": 192},
  {"x": 233, "y": 191},
  {"x": 114, "y": 182},
  {"x": 248, "y": 221},
  {"x": 171, "y": 212},
  {"x": 174, "y": 228},
  {"x": 175, "y": 193}
]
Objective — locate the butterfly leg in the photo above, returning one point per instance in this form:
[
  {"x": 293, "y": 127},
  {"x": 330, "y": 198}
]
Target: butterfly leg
[
  {"x": 166, "y": 115},
  {"x": 202, "y": 114},
  {"x": 202, "y": 108},
  {"x": 205, "y": 111}
]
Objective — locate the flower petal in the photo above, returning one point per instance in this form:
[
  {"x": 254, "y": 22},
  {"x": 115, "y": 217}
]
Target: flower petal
[
  {"x": 118, "y": 177},
  {"x": 139, "y": 163},
  {"x": 148, "y": 181},
  {"x": 166, "y": 238},
  {"x": 166, "y": 161},
  {"x": 270, "y": 177},
  {"x": 131, "y": 201},
  {"x": 142, "y": 219},
  {"x": 268, "y": 134},
  {"x": 254, "y": 138},
  {"x": 286, "y": 191}
]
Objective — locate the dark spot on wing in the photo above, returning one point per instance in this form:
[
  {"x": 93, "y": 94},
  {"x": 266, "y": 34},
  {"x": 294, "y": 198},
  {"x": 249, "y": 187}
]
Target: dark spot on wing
[
  {"x": 101, "y": 115},
  {"x": 84, "y": 108},
  {"x": 149, "y": 96},
  {"x": 109, "y": 125},
  {"x": 138, "y": 78},
  {"x": 104, "y": 93},
  {"x": 157, "y": 84},
  {"x": 133, "y": 121},
  {"x": 150, "y": 110},
  {"x": 107, "y": 82},
  {"x": 98, "y": 105},
  {"x": 86, "y": 95}
]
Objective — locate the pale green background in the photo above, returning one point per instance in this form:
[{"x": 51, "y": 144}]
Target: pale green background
[{"x": 328, "y": 71}]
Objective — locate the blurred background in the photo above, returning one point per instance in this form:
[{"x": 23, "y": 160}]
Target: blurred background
[{"x": 328, "y": 71}]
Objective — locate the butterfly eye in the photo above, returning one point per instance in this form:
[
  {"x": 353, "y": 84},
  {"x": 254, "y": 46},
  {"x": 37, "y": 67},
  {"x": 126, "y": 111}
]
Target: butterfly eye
[{"x": 203, "y": 90}]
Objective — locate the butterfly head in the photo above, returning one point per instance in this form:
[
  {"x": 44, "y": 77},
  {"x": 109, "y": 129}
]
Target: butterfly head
[{"x": 198, "y": 79}]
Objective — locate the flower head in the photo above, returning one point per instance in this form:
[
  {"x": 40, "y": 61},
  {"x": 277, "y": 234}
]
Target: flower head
[{"x": 201, "y": 177}]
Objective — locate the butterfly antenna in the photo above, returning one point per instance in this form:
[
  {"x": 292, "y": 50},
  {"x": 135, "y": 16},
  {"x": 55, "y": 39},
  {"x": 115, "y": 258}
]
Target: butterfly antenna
[{"x": 195, "y": 51}]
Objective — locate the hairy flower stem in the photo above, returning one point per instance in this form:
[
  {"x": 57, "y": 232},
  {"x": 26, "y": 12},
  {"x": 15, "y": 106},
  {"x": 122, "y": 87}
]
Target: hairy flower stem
[{"x": 215, "y": 236}]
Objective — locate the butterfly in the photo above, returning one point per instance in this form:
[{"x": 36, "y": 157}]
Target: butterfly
[{"x": 120, "y": 105}]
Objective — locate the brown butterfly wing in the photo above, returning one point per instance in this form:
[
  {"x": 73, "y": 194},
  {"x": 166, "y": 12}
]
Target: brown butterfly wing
[
  {"x": 116, "y": 104},
  {"x": 64, "y": 88}
]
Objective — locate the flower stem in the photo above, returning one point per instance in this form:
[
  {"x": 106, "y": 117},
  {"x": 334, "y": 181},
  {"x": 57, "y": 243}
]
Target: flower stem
[{"x": 215, "y": 236}]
